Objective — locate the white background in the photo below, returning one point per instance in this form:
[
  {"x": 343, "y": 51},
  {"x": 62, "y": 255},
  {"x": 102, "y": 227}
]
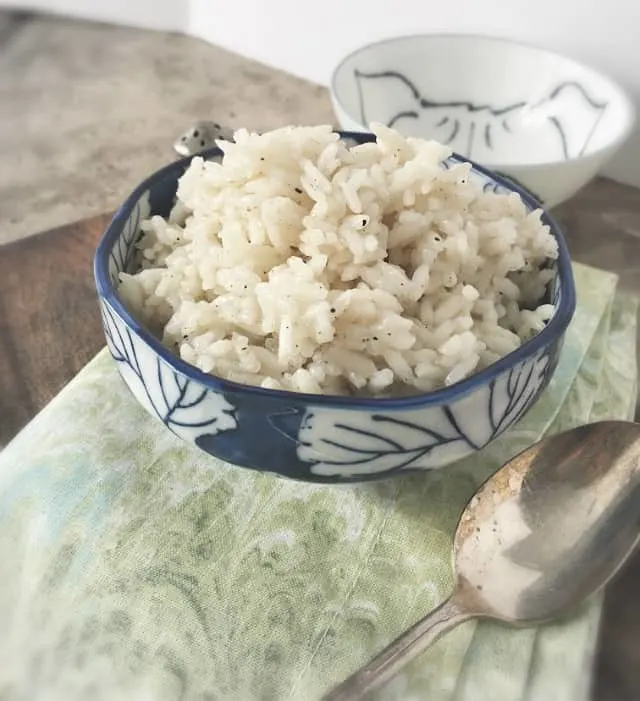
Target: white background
[{"x": 308, "y": 38}]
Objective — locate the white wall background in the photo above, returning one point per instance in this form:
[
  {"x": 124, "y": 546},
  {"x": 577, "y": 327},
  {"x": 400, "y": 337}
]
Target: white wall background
[{"x": 308, "y": 38}]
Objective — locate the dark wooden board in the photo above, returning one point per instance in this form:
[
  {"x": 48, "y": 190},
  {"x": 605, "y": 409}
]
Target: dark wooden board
[
  {"x": 49, "y": 322},
  {"x": 50, "y": 327}
]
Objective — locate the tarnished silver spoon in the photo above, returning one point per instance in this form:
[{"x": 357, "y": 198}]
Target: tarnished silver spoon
[{"x": 547, "y": 530}]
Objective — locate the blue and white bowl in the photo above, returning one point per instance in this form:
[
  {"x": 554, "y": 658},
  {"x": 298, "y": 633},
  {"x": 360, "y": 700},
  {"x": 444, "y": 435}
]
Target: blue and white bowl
[
  {"x": 545, "y": 121},
  {"x": 310, "y": 437}
]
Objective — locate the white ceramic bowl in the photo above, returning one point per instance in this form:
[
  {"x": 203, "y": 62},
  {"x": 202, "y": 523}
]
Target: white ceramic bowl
[{"x": 543, "y": 120}]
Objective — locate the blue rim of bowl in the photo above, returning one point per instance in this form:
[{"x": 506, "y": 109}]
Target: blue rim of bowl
[
  {"x": 614, "y": 85},
  {"x": 553, "y": 331}
]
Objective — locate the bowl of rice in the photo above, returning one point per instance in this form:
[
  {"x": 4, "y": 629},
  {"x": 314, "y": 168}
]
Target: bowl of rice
[{"x": 334, "y": 307}]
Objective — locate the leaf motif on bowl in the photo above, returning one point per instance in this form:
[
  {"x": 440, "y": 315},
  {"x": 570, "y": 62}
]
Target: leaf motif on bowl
[
  {"x": 347, "y": 443},
  {"x": 124, "y": 249},
  {"x": 512, "y": 393},
  {"x": 184, "y": 406},
  {"x": 351, "y": 443},
  {"x": 565, "y": 119}
]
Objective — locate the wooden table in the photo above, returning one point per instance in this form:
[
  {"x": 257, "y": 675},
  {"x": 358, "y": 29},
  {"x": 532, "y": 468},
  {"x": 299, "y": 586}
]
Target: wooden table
[{"x": 49, "y": 328}]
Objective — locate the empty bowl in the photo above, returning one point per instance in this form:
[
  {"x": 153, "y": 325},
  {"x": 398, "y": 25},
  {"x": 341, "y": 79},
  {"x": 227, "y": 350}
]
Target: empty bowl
[
  {"x": 543, "y": 120},
  {"x": 319, "y": 438}
]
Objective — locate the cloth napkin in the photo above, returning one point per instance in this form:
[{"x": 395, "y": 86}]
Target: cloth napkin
[{"x": 135, "y": 567}]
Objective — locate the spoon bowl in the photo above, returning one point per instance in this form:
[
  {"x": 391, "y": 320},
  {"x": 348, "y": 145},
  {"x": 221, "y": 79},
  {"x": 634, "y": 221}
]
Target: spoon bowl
[
  {"x": 549, "y": 529},
  {"x": 553, "y": 525}
]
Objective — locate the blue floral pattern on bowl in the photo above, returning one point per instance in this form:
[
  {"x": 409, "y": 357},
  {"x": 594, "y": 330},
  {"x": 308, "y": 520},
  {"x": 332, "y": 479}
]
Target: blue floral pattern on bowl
[{"x": 309, "y": 437}]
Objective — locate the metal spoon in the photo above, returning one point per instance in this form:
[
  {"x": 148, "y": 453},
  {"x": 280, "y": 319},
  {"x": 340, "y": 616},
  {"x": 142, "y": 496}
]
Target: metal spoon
[{"x": 547, "y": 530}]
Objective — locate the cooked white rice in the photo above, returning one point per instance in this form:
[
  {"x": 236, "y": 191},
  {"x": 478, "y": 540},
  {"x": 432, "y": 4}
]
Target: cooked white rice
[{"x": 299, "y": 263}]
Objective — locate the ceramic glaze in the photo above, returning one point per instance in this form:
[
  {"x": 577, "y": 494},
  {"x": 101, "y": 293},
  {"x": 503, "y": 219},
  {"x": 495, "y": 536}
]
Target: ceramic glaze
[
  {"x": 311, "y": 437},
  {"x": 538, "y": 118}
]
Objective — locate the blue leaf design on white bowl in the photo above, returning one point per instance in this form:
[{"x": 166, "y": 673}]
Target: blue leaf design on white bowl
[
  {"x": 124, "y": 250},
  {"x": 348, "y": 443},
  {"x": 566, "y": 116},
  {"x": 184, "y": 406},
  {"x": 308, "y": 437},
  {"x": 514, "y": 392}
]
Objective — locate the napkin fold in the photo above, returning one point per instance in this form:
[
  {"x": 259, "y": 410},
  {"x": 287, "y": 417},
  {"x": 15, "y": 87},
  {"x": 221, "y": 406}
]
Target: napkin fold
[{"x": 133, "y": 566}]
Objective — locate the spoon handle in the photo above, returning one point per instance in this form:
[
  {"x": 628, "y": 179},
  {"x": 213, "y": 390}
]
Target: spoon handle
[{"x": 400, "y": 652}]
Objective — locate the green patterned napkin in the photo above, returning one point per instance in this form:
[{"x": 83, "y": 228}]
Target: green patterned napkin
[{"x": 135, "y": 567}]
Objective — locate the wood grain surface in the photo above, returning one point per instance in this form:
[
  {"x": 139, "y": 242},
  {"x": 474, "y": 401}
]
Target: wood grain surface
[
  {"x": 49, "y": 322},
  {"x": 50, "y": 327}
]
